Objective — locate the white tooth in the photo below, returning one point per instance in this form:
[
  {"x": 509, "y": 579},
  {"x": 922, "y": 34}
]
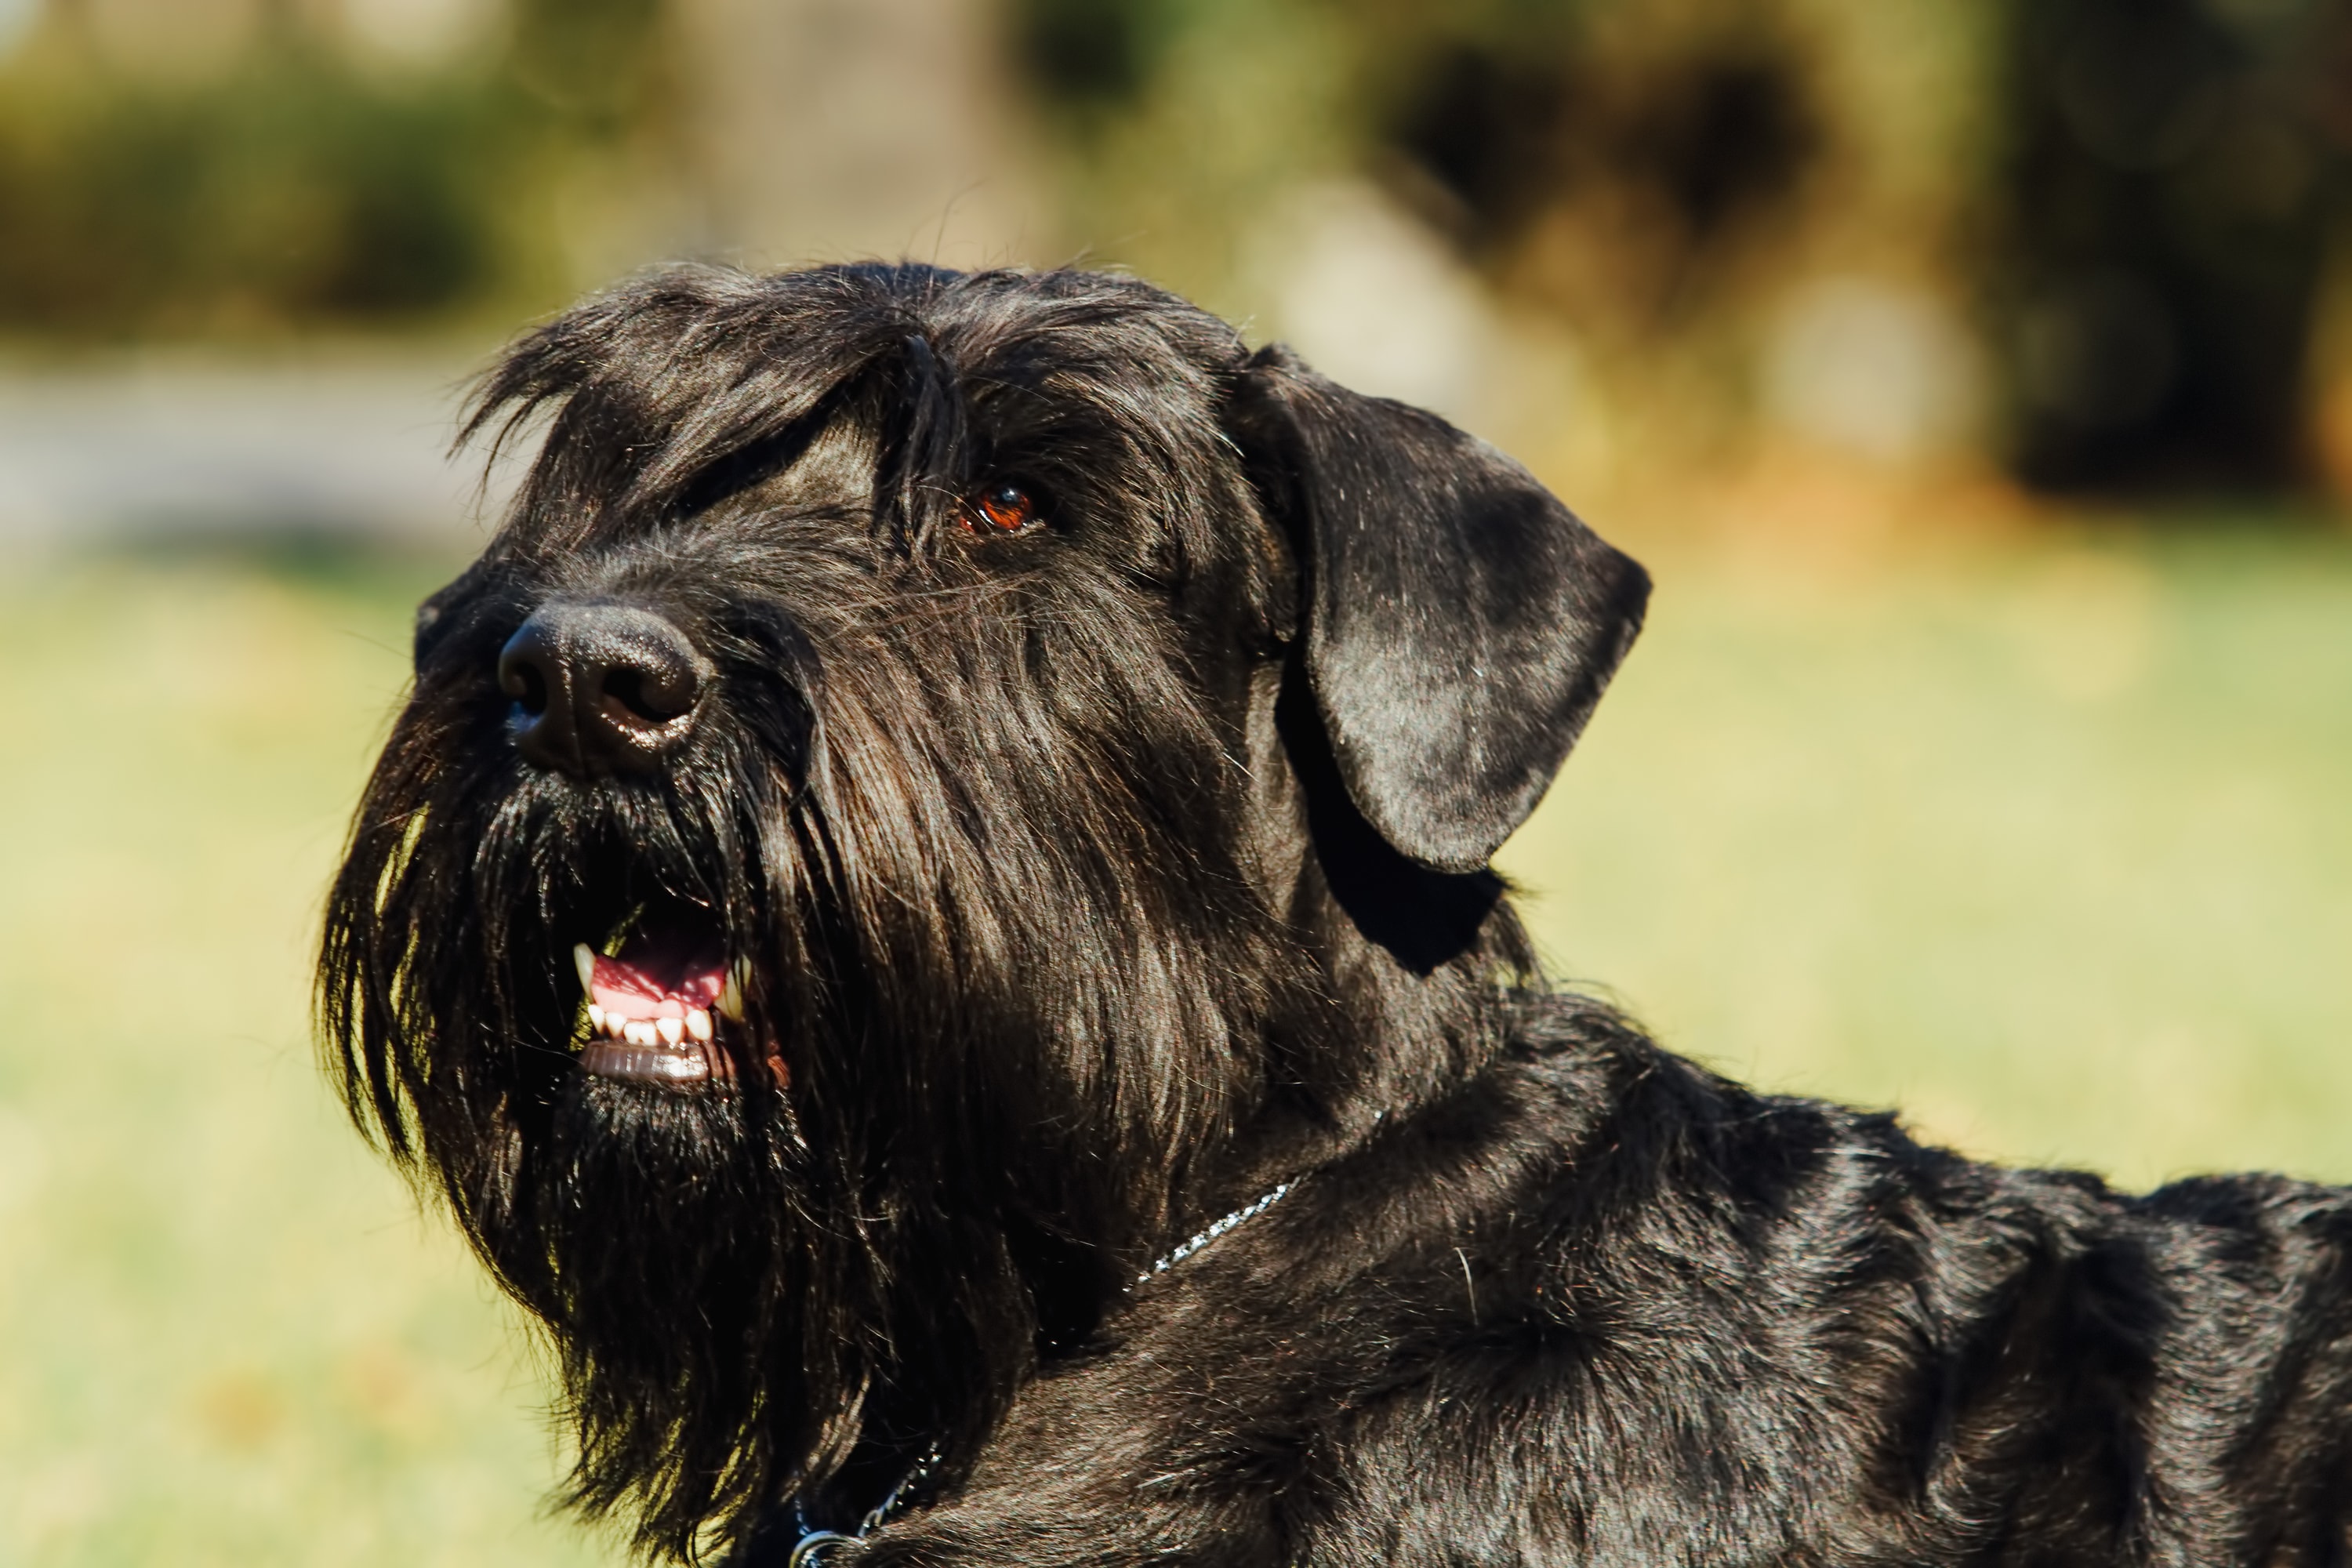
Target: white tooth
[
  {"x": 672, "y": 1030},
  {"x": 640, "y": 1034},
  {"x": 583, "y": 959},
  {"x": 730, "y": 999},
  {"x": 697, "y": 1024},
  {"x": 595, "y": 1019},
  {"x": 616, "y": 1025}
]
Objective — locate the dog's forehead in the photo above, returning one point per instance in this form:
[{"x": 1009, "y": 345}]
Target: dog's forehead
[
  {"x": 1027, "y": 384},
  {"x": 1110, "y": 329},
  {"x": 1077, "y": 336},
  {"x": 1036, "y": 364},
  {"x": 869, "y": 409}
]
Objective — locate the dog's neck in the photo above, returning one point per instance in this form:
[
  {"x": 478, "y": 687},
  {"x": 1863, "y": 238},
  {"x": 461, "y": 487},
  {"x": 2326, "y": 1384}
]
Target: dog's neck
[{"x": 1415, "y": 967}]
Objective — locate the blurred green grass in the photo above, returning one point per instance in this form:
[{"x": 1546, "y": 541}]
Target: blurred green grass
[
  {"x": 2049, "y": 844},
  {"x": 229, "y": 1337}
]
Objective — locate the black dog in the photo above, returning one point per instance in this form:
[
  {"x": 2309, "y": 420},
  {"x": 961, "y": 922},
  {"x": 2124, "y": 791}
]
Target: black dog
[{"x": 1014, "y": 772}]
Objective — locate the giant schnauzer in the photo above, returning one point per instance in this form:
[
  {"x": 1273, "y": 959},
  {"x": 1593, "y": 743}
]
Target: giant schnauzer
[{"x": 928, "y": 911}]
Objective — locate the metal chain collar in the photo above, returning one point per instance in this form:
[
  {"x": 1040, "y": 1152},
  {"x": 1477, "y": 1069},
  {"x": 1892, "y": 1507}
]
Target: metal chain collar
[
  {"x": 810, "y": 1548},
  {"x": 1247, "y": 1211}
]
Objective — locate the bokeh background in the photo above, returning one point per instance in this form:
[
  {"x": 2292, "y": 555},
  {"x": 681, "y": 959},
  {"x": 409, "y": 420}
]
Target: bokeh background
[{"x": 1976, "y": 376}]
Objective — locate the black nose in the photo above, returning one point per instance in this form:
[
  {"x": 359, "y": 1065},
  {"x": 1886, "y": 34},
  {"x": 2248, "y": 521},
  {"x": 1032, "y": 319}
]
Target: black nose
[{"x": 600, "y": 688}]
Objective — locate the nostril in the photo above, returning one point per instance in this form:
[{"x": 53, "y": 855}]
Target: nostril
[
  {"x": 656, "y": 694},
  {"x": 528, "y": 687},
  {"x": 529, "y": 667},
  {"x": 641, "y": 675}
]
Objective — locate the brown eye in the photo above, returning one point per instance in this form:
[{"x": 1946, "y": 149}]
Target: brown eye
[{"x": 1006, "y": 509}]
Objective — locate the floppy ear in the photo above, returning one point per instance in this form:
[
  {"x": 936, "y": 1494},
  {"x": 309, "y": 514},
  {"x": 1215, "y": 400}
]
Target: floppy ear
[{"x": 1461, "y": 622}]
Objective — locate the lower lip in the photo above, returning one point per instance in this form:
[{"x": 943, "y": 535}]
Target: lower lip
[
  {"x": 688, "y": 1068},
  {"x": 646, "y": 1064}
]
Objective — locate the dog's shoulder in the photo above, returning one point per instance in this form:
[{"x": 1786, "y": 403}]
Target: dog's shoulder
[{"x": 1731, "y": 1306}]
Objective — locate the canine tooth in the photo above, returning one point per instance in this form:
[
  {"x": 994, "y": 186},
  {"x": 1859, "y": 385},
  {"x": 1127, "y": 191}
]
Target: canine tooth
[
  {"x": 583, "y": 959},
  {"x": 671, "y": 1030},
  {"x": 697, "y": 1024},
  {"x": 595, "y": 1019},
  {"x": 730, "y": 998}
]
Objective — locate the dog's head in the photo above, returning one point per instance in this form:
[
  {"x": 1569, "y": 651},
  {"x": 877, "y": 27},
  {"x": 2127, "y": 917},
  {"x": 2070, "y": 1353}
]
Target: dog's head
[{"x": 940, "y": 778}]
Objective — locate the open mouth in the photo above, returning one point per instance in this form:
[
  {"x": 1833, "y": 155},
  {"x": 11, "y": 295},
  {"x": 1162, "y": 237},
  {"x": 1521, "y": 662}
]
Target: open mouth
[{"x": 661, "y": 1008}]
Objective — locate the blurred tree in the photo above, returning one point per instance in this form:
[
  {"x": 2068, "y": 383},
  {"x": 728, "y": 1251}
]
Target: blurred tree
[
  {"x": 589, "y": 63},
  {"x": 1091, "y": 55},
  {"x": 1551, "y": 118},
  {"x": 2134, "y": 197},
  {"x": 1679, "y": 131},
  {"x": 1738, "y": 218},
  {"x": 1636, "y": 177},
  {"x": 289, "y": 180},
  {"x": 2172, "y": 170}
]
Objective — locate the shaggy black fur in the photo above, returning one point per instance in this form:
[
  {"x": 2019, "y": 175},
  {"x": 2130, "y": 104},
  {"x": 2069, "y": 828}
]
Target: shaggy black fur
[{"x": 1101, "y": 734}]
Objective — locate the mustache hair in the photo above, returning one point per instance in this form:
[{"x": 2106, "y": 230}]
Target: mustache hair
[{"x": 1007, "y": 974}]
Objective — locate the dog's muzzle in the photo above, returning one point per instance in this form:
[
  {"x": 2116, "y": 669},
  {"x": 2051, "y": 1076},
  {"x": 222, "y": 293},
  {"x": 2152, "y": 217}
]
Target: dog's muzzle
[{"x": 600, "y": 688}]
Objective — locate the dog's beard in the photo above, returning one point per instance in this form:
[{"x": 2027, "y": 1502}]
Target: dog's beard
[
  {"x": 661, "y": 1238},
  {"x": 721, "y": 1334},
  {"x": 709, "y": 1311},
  {"x": 739, "y": 1287}
]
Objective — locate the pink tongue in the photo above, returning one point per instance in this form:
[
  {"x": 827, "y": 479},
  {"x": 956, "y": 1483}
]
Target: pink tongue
[{"x": 659, "y": 979}]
